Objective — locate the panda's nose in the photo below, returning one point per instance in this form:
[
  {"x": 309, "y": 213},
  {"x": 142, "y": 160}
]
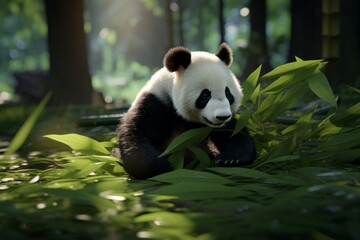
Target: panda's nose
[{"x": 223, "y": 118}]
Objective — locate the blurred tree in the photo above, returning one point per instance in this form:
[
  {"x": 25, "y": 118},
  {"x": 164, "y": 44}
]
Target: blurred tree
[
  {"x": 181, "y": 22},
  {"x": 349, "y": 47},
  {"x": 199, "y": 19},
  {"x": 221, "y": 21},
  {"x": 23, "y": 33},
  {"x": 258, "y": 49},
  {"x": 170, "y": 24},
  {"x": 341, "y": 38},
  {"x": 278, "y": 30},
  {"x": 305, "y": 39},
  {"x": 69, "y": 78}
]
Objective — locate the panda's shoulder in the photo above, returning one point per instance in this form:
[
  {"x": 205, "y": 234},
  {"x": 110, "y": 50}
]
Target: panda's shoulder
[
  {"x": 159, "y": 86},
  {"x": 149, "y": 103},
  {"x": 150, "y": 114}
]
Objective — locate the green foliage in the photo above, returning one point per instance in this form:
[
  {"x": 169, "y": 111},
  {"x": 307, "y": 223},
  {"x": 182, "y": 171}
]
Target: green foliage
[
  {"x": 305, "y": 153},
  {"x": 23, "y": 38},
  {"x": 279, "y": 95},
  {"x": 24, "y": 131},
  {"x": 122, "y": 83},
  {"x": 80, "y": 143},
  {"x": 187, "y": 140}
]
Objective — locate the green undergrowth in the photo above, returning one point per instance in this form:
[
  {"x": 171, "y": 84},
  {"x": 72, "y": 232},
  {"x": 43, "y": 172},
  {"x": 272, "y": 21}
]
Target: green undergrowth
[{"x": 304, "y": 183}]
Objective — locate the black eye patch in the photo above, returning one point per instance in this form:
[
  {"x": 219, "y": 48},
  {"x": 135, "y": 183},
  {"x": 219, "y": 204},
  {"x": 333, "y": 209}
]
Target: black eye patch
[
  {"x": 229, "y": 96},
  {"x": 203, "y": 99}
]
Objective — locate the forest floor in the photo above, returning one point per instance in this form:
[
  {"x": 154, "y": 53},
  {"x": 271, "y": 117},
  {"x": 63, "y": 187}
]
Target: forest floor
[{"x": 48, "y": 191}]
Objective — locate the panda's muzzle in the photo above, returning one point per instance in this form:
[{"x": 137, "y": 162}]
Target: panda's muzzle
[
  {"x": 220, "y": 122},
  {"x": 223, "y": 118}
]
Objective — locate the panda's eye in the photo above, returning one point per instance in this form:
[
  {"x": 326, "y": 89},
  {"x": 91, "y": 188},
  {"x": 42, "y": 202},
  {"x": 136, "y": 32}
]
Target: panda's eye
[
  {"x": 229, "y": 96},
  {"x": 203, "y": 99}
]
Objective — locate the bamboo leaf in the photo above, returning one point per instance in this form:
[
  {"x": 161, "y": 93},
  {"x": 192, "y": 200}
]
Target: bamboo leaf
[
  {"x": 255, "y": 94},
  {"x": 89, "y": 169},
  {"x": 334, "y": 156},
  {"x": 342, "y": 141},
  {"x": 168, "y": 219},
  {"x": 242, "y": 121},
  {"x": 240, "y": 172},
  {"x": 284, "y": 148},
  {"x": 301, "y": 123},
  {"x": 187, "y": 139},
  {"x": 79, "y": 162},
  {"x": 291, "y": 68},
  {"x": 80, "y": 143},
  {"x": 176, "y": 160},
  {"x": 353, "y": 89},
  {"x": 76, "y": 163},
  {"x": 289, "y": 80},
  {"x": 26, "y": 128},
  {"x": 250, "y": 84},
  {"x": 284, "y": 101},
  {"x": 283, "y": 158},
  {"x": 354, "y": 109},
  {"x": 199, "y": 191},
  {"x": 321, "y": 87},
  {"x": 268, "y": 102},
  {"x": 298, "y": 59},
  {"x": 186, "y": 175},
  {"x": 286, "y": 180},
  {"x": 349, "y": 117},
  {"x": 201, "y": 155},
  {"x": 108, "y": 144}
]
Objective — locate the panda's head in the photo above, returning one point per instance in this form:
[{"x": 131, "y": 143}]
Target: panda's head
[{"x": 204, "y": 89}]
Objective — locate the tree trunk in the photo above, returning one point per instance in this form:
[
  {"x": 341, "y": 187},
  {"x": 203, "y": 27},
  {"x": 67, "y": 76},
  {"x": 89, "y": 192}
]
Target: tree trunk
[
  {"x": 305, "y": 40},
  {"x": 170, "y": 24},
  {"x": 69, "y": 78},
  {"x": 221, "y": 21},
  {"x": 180, "y": 23},
  {"x": 257, "y": 50},
  {"x": 345, "y": 68}
]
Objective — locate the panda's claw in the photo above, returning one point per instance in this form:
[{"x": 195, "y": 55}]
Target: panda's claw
[{"x": 228, "y": 163}]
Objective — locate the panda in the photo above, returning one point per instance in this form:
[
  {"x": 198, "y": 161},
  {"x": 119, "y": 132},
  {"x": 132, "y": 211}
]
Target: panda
[{"x": 192, "y": 90}]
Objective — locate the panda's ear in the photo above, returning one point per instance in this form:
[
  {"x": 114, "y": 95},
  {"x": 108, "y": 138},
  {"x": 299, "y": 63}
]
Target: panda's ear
[
  {"x": 177, "y": 57},
  {"x": 225, "y": 54}
]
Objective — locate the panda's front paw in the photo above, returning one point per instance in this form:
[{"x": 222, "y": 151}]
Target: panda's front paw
[{"x": 226, "y": 159}]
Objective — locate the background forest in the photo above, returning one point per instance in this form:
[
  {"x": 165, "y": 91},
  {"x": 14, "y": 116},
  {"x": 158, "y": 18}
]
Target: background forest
[{"x": 126, "y": 40}]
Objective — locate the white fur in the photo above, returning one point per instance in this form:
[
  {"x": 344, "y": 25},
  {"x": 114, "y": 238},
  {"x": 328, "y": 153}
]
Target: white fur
[
  {"x": 216, "y": 107},
  {"x": 160, "y": 84},
  {"x": 184, "y": 87}
]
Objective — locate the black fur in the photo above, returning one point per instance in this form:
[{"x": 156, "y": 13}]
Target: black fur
[
  {"x": 225, "y": 54},
  {"x": 237, "y": 150},
  {"x": 229, "y": 95},
  {"x": 177, "y": 57},
  {"x": 146, "y": 129},
  {"x": 143, "y": 132},
  {"x": 203, "y": 99}
]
